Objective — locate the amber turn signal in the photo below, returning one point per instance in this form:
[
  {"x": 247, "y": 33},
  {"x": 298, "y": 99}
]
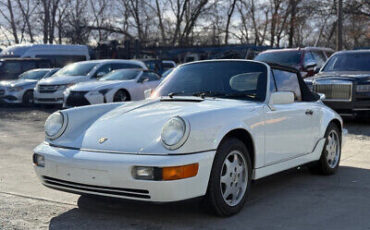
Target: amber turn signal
[{"x": 180, "y": 172}]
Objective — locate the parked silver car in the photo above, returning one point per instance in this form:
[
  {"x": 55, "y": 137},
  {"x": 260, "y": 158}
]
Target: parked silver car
[{"x": 20, "y": 91}]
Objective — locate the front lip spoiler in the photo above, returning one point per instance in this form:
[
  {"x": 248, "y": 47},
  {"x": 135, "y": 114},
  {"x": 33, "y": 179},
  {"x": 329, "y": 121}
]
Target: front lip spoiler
[{"x": 130, "y": 153}]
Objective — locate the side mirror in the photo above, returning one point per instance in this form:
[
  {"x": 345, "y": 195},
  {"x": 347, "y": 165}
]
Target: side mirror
[
  {"x": 309, "y": 66},
  {"x": 281, "y": 98},
  {"x": 322, "y": 96},
  {"x": 142, "y": 80},
  {"x": 100, "y": 74},
  {"x": 148, "y": 93},
  {"x": 316, "y": 69}
]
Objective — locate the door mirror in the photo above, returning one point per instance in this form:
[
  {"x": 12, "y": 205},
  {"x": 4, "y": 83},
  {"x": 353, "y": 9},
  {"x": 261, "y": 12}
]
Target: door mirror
[
  {"x": 148, "y": 93},
  {"x": 322, "y": 96},
  {"x": 281, "y": 98},
  {"x": 316, "y": 69},
  {"x": 100, "y": 74},
  {"x": 143, "y": 80},
  {"x": 309, "y": 66}
]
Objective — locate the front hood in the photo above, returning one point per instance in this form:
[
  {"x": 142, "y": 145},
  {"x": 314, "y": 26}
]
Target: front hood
[
  {"x": 136, "y": 127},
  {"x": 95, "y": 85},
  {"x": 354, "y": 76},
  {"x": 63, "y": 80}
]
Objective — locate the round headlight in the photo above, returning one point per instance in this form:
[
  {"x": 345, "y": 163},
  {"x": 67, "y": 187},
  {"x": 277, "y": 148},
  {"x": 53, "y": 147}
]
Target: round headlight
[
  {"x": 55, "y": 125},
  {"x": 174, "y": 133}
]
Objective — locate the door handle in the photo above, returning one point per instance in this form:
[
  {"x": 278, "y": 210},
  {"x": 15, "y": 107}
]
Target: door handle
[{"x": 309, "y": 112}]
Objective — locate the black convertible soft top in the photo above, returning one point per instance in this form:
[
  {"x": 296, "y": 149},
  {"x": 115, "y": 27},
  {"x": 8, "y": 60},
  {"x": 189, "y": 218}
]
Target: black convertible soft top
[{"x": 307, "y": 94}]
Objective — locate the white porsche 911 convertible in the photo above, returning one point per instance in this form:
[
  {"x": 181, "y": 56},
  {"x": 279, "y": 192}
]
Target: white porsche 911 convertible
[
  {"x": 209, "y": 129},
  {"x": 116, "y": 86}
]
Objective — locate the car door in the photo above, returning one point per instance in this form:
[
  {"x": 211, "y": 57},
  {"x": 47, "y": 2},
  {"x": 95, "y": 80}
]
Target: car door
[{"x": 288, "y": 127}]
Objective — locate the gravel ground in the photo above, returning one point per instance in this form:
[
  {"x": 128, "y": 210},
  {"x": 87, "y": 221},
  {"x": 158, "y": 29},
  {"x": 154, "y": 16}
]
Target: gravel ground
[{"x": 294, "y": 199}]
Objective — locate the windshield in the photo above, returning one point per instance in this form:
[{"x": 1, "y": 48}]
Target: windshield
[
  {"x": 226, "y": 79},
  {"x": 120, "y": 75},
  {"x": 76, "y": 69},
  {"x": 348, "y": 62},
  {"x": 166, "y": 73},
  {"x": 33, "y": 74},
  {"x": 290, "y": 58}
]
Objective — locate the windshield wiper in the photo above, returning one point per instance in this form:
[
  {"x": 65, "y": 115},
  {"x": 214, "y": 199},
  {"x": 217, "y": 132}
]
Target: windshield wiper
[
  {"x": 174, "y": 94},
  {"x": 209, "y": 93},
  {"x": 241, "y": 95}
]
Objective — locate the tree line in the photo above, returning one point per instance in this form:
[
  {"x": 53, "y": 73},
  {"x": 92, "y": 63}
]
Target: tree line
[{"x": 277, "y": 23}]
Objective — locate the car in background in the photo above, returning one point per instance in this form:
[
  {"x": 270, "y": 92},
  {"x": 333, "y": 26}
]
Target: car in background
[
  {"x": 20, "y": 91},
  {"x": 345, "y": 81},
  {"x": 166, "y": 73},
  {"x": 116, "y": 86},
  {"x": 159, "y": 66},
  {"x": 58, "y": 55},
  {"x": 50, "y": 91},
  {"x": 11, "y": 68},
  {"x": 307, "y": 60},
  {"x": 213, "y": 128}
]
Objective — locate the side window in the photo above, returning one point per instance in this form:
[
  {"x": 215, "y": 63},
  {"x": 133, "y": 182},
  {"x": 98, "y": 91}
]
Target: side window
[
  {"x": 272, "y": 83},
  {"x": 153, "y": 77},
  {"x": 319, "y": 57},
  {"x": 308, "y": 57},
  {"x": 12, "y": 67},
  {"x": 106, "y": 68},
  {"x": 44, "y": 64},
  {"x": 288, "y": 81},
  {"x": 62, "y": 60},
  {"x": 27, "y": 65},
  {"x": 143, "y": 76}
]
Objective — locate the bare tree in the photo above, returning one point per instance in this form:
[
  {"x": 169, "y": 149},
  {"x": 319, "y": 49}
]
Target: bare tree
[
  {"x": 229, "y": 15},
  {"x": 9, "y": 17},
  {"x": 27, "y": 9}
]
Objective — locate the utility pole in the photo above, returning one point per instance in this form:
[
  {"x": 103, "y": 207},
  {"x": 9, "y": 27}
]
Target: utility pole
[{"x": 339, "y": 25}]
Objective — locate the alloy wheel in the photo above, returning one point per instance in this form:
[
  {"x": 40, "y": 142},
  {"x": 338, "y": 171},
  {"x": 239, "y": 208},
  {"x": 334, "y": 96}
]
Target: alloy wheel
[
  {"x": 333, "y": 149},
  {"x": 234, "y": 178}
]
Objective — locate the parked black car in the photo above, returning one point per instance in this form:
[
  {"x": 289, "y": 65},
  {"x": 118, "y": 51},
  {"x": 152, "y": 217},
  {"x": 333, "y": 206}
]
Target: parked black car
[
  {"x": 307, "y": 60},
  {"x": 345, "y": 81},
  {"x": 11, "y": 68}
]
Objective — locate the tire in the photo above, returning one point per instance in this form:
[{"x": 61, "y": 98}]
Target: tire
[
  {"x": 226, "y": 177},
  {"x": 331, "y": 154},
  {"x": 121, "y": 95},
  {"x": 27, "y": 99}
]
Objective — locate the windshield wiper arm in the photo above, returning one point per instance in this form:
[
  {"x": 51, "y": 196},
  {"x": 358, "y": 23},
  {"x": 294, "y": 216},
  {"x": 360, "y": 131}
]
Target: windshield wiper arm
[
  {"x": 241, "y": 95},
  {"x": 174, "y": 94},
  {"x": 204, "y": 94}
]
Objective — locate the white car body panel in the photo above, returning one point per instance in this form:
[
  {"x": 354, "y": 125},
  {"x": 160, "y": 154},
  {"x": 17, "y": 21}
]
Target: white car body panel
[
  {"x": 104, "y": 169},
  {"x": 57, "y": 97},
  {"x": 26, "y": 85},
  {"x": 131, "y": 143},
  {"x": 133, "y": 87}
]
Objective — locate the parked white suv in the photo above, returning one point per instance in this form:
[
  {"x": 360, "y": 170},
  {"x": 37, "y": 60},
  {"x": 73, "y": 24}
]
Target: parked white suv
[{"x": 50, "y": 91}]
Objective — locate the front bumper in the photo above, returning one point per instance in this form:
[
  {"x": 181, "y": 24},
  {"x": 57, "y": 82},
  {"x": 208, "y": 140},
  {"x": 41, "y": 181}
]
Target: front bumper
[
  {"x": 350, "y": 108},
  {"x": 110, "y": 174},
  {"x": 74, "y": 99},
  {"x": 56, "y": 97},
  {"x": 11, "y": 97}
]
